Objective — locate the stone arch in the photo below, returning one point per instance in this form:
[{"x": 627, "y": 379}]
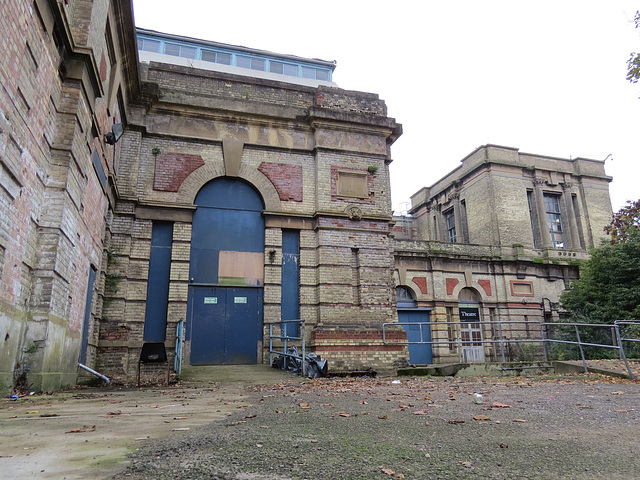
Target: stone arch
[{"x": 210, "y": 171}]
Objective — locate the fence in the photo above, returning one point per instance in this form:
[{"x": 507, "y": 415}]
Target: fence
[
  {"x": 285, "y": 340},
  {"x": 465, "y": 337}
]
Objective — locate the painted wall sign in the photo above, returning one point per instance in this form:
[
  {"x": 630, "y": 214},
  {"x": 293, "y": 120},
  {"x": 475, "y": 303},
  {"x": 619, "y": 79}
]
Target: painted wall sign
[
  {"x": 239, "y": 299},
  {"x": 210, "y": 300}
]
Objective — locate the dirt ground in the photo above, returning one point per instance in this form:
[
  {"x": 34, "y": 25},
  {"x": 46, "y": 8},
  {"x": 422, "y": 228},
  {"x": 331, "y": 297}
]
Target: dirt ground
[{"x": 279, "y": 427}]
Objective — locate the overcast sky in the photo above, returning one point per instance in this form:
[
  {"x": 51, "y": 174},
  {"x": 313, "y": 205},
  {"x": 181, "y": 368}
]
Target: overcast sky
[{"x": 546, "y": 77}]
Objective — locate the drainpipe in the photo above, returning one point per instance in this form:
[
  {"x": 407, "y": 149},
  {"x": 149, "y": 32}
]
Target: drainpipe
[{"x": 99, "y": 375}]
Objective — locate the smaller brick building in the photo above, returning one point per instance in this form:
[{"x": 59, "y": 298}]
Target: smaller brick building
[{"x": 496, "y": 242}]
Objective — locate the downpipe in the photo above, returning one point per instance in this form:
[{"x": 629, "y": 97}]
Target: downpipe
[{"x": 99, "y": 375}]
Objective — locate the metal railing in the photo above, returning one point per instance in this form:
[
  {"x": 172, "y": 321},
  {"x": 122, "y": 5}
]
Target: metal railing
[
  {"x": 177, "y": 361},
  {"x": 286, "y": 340},
  {"x": 503, "y": 337}
]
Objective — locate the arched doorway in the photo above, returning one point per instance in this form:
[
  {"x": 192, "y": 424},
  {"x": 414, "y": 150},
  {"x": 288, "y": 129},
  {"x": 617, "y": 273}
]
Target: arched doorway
[
  {"x": 470, "y": 326},
  {"x": 226, "y": 274},
  {"x": 420, "y": 353}
]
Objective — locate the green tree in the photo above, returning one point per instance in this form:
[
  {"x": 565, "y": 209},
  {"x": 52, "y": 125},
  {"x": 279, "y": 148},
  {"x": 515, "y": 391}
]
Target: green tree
[
  {"x": 625, "y": 225},
  {"x": 633, "y": 64},
  {"x": 609, "y": 285}
]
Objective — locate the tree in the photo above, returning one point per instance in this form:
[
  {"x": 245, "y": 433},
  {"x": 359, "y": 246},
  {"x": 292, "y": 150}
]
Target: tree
[
  {"x": 609, "y": 285},
  {"x": 625, "y": 225},
  {"x": 633, "y": 64}
]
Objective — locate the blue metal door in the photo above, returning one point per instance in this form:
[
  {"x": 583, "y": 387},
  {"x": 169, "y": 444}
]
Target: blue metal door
[
  {"x": 225, "y": 327},
  {"x": 419, "y": 354}
]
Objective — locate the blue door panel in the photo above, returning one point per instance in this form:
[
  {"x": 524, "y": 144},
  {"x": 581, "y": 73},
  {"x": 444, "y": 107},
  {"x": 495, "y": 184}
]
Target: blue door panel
[
  {"x": 155, "y": 323},
  {"x": 290, "y": 302},
  {"x": 419, "y": 354}
]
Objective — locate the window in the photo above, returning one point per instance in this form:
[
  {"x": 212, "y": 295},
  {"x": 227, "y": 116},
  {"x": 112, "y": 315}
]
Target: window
[
  {"x": 216, "y": 57},
  {"x": 451, "y": 330},
  {"x": 450, "y": 219},
  {"x": 179, "y": 50},
  {"x": 147, "y": 45},
  {"x": 554, "y": 219},
  {"x": 250, "y": 62},
  {"x": 317, "y": 74},
  {"x": 532, "y": 218},
  {"x": 283, "y": 68}
]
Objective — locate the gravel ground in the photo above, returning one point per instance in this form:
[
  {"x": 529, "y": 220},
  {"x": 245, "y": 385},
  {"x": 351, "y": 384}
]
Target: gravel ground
[{"x": 544, "y": 427}]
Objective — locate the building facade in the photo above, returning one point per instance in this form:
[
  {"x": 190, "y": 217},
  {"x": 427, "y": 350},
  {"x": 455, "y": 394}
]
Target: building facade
[
  {"x": 495, "y": 242},
  {"x": 157, "y": 188}
]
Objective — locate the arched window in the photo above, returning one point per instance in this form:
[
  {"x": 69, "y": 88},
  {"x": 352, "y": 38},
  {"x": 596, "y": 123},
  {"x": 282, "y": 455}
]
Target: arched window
[{"x": 406, "y": 298}]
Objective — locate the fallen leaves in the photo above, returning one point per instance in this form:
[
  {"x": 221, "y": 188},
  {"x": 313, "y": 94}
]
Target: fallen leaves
[
  {"x": 83, "y": 429},
  {"x": 388, "y": 471},
  {"x": 500, "y": 405},
  {"x": 481, "y": 417}
]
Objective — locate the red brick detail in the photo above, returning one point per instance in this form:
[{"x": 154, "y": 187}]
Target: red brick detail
[
  {"x": 103, "y": 68},
  {"x": 486, "y": 286},
  {"x": 451, "y": 285},
  {"x": 524, "y": 305},
  {"x": 287, "y": 179},
  {"x": 172, "y": 169},
  {"x": 421, "y": 282},
  {"x": 359, "y": 348},
  {"x": 356, "y": 335}
]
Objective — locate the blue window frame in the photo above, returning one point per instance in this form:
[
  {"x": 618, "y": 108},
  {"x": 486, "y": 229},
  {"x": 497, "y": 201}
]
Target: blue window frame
[{"x": 242, "y": 60}]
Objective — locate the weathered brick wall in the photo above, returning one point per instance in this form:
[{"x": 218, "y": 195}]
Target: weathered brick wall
[{"x": 52, "y": 221}]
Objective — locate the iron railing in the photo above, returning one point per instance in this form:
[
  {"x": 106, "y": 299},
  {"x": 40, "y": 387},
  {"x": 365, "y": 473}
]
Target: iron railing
[
  {"x": 502, "y": 337},
  {"x": 285, "y": 341}
]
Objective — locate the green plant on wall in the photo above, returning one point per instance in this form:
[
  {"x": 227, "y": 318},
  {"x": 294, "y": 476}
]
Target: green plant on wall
[
  {"x": 111, "y": 281},
  {"x": 372, "y": 169},
  {"x": 155, "y": 151}
]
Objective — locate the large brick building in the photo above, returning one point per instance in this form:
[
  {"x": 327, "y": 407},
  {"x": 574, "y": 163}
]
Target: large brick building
[{"x": 150, "y": 181}]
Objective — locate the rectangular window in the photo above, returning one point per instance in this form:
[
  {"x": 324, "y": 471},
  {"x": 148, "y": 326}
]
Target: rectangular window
[
  {"x": 451, "y": 330},
  {"x": 250, "y": 62},
  {"x": 283, "y": 68},
  {"x": 537, "y": 240},
  {"x": 209, "y": 56},
  {"x": 148, "y": 45},
  {"x": 554, "y": 219},
  {"x": 172, "y": 49},
  {"x": 308, "y": 72},
  {"x": 187, "y": 52},
  {"x": 322, "y": 75},
  {"x": 223, "y": 58},
  {"x": 450, "y": 220}
]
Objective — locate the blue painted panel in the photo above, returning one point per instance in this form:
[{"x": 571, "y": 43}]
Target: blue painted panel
[
  {"x": 419, "y": 354},
  {"x": 87, "y": 316},
  {"x": 208, "y": 326},
  {"x": 226, "y": 325},
  {"x": 155, "y": 321},
  {"x": 243, "y": 320},
  {"x": 229, "y": 193},
  {"x": 290, "y": 301}
]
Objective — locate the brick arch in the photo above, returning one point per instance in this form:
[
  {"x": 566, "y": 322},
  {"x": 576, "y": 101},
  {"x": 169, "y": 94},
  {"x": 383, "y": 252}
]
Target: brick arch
[
  {"x": 476, "y": 288},
  {"x": 203, "y": 175}
]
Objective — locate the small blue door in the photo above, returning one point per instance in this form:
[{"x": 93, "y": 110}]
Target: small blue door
[
  {"x": 419, "y": 354},
  {"x": 225, "y": 325}
]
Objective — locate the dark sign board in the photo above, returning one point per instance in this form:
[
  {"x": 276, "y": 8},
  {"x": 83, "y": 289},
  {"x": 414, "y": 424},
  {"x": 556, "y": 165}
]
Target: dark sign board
[{"x": 469, "y": 315}]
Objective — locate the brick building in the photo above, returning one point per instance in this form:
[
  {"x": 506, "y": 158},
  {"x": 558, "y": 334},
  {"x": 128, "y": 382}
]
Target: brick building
[
  {"x": 496, "y": 240},
  {"x": 153, "y": 184}
]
